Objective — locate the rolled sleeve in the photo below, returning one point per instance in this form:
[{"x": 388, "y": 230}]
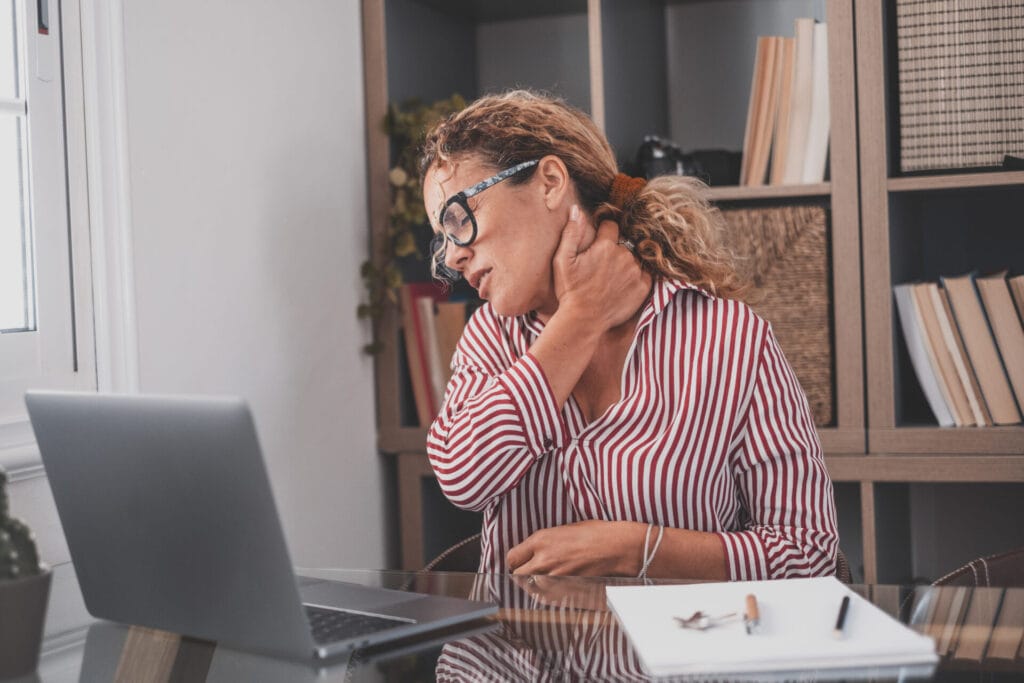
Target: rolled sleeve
[
  {"x": 790, "y": 525},
  {"x": 531, "y": 393}
]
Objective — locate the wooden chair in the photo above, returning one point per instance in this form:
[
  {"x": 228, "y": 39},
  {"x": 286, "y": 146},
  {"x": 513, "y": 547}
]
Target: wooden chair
[
  {"x": 1005, "y": 570},
  {"x": 464, "y": 556}
]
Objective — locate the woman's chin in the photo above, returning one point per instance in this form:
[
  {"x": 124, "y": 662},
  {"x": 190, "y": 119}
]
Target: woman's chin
[{"x": 507, "y": 309}]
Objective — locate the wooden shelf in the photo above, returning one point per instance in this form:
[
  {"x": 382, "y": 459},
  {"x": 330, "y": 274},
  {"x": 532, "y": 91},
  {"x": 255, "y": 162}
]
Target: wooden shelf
[
  {"x": 926, "y": 468},
  {"x": 878, "y": 227},
  {"x": 955, "y": 181},
  {"x": 737, "y": 193},
  {"x": 947, "y": 440},
  {"x": 402, "y": 439},
  {"x": 837, "y": 440}
]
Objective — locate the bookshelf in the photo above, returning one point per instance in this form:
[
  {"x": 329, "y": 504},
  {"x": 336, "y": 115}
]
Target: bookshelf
[
  {"x": 627, "y": 63},
  {"x": 920, "y": 227}
]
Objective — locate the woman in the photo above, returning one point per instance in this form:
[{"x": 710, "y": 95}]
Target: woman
[{"x": 613, "y": 409}]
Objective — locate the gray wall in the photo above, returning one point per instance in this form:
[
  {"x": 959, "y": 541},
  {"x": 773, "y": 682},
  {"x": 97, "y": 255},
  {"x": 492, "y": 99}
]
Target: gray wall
[
  {"x": 548, "y": 53},
  {"x": 247, "y": 166},
  {"x": 711, "y": 48},
  {"x": 431, "y": 55}
]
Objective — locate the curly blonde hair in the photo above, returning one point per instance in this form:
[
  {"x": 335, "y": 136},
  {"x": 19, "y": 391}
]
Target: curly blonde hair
[{"x": 677, "y": 234}]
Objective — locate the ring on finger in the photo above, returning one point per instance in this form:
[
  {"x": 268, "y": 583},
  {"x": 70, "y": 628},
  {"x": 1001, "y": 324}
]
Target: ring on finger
[{"x": 627, "y": 244}]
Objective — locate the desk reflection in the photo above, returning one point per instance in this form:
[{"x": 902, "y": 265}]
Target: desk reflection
[{"x": 547, "y": 629}]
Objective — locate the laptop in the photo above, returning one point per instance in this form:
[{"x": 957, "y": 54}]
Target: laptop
[{"x": 171, "y": 523}]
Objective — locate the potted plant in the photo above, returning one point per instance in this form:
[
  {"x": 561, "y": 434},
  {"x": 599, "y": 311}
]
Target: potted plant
[
  {"x": 24, "y": 590},
  {"x": 408, "y": 228}
]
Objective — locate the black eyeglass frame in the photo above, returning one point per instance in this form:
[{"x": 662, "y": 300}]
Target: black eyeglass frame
[{"x": 461, "y": 198}]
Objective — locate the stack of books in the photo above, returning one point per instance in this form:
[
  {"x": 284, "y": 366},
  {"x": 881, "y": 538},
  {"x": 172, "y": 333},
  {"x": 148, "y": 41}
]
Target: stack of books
[
  {"x": 786, "y": 138},
  {"x": 432, "y": 326},
  {"x": 965, "y": 337}
]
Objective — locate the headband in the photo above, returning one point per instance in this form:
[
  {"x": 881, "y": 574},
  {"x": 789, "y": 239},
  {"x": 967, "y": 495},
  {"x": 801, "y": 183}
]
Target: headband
[{"x": 625, "y": 189}]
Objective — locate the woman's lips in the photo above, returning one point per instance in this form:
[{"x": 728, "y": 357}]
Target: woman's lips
[{"x": 479, "y": 281}]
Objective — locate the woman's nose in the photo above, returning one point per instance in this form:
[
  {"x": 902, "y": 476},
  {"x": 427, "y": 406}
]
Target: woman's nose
[{"x": 455, "y": 257}]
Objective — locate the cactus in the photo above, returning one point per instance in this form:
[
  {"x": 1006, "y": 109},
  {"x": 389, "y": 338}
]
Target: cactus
[{"x": 18, "y": 556}]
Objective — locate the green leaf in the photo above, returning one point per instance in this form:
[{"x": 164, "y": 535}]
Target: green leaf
[{"x": 404, "y": 244}]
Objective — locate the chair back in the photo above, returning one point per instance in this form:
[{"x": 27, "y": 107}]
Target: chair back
[
  {"x": 1005, "y": 570},
  {"x": 464, "y": 556}
]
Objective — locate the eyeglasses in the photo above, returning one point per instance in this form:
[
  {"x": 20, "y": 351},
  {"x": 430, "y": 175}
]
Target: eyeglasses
[{"x": 458, "y": 224}]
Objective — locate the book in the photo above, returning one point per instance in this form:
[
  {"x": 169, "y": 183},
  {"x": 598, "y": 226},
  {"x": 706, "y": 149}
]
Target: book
[
  {"x": 797, "y": 618},
  {"x": 979, "y": 618},
  {"x": 780, "y": 137},
  {"x": 913, "y": 334},
  {"x": 754, "y": 162},
  {"x": 942, "y": 361},
  {"x": 416, "y": 347},
  {"x": 1016, "y": 284},
  {"x": 769, "y": 113},
  {"x": 802, "y": 94},
  {"x": 816, "y": 147},
  {"x": 955, "y": 344},
  {"x": 1006, "y": 328},
  {"x": 981, "y": 348},
  {"x": 1008, "y": 632}
]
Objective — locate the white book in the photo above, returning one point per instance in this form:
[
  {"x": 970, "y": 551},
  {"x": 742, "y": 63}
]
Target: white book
[
  {"x": 816, "y": 148},
  {"x": 800, "y": 108},
  {"x": 913, "y": 333},
  {"x": 796, "y": 631}
]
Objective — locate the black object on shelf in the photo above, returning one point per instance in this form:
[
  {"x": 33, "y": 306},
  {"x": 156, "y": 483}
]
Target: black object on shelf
[{"x": 717, "y": 167}]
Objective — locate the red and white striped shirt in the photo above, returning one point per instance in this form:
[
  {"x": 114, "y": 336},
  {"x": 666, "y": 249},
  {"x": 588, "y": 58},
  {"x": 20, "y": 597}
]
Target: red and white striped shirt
[{"x": 712, "y": 432}]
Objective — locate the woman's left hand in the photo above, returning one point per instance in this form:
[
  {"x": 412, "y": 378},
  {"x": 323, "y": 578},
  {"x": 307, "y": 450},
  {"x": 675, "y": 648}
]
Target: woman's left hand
[{"x": 590, "y": 548}]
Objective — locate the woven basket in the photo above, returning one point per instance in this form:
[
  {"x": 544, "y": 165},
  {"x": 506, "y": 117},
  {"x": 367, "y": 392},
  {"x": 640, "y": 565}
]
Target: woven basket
[
  {"x": 961, "y": 82},
  {"x": 784, "y": 251}
]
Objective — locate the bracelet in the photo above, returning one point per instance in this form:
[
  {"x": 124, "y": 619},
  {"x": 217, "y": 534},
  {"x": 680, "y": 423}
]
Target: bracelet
[
  {"x": 643, "y": 560},
  {"x": 650, "y": 558}
]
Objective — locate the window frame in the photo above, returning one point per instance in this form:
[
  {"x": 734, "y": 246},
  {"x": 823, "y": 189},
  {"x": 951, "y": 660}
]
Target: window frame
[{"x": 60, "y": 196}]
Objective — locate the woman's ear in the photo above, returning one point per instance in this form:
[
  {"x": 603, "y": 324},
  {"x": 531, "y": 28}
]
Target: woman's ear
[{"x": 555, "y": 182}]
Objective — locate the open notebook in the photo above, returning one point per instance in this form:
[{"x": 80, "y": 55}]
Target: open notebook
[{"x": 798, "y": 617}]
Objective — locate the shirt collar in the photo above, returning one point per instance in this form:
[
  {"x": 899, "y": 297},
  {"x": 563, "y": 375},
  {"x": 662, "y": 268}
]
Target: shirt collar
[{"x": 662, "y": 293}]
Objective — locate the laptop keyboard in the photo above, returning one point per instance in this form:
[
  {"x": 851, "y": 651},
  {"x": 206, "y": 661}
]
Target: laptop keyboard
[{"x": 333, "y": 625}]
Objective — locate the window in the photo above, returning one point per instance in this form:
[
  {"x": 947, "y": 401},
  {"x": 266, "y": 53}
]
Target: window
[
  {"x": 17, "y": 282},
  {"x": 38, "y": 345}
]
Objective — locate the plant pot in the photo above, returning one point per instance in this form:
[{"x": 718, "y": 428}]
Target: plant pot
[{"x": 22, "y": 614}]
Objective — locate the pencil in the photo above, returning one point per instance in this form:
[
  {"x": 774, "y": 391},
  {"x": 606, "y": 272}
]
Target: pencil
[{"x": 841, "y": 619}]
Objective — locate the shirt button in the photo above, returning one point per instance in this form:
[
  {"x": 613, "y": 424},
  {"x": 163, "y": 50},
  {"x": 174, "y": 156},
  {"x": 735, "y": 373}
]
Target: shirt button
[{"x": 548, "y": 443}]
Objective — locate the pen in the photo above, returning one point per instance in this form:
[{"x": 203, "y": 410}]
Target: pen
[
  {"x": 841, "y": 619},
  {"x": 752, "y": 617}
]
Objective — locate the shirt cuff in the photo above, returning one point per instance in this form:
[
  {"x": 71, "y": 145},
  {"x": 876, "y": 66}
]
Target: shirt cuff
[
  {"x": 534, "y": 399},
  {"x": 745, "y": 557}
]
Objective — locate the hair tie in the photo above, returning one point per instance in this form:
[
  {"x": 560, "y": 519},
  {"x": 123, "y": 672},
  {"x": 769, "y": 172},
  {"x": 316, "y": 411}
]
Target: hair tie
[{"x": 625, "y": 189}]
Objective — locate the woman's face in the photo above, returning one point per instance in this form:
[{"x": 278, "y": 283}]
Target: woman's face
[{"x": 518, "y": 231}]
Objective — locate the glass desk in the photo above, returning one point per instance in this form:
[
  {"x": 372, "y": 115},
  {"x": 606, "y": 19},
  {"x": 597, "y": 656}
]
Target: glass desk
[{"x": 549, "y": 630}]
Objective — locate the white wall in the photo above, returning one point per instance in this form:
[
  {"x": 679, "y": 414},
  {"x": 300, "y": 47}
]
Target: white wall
[{"x": 247, "y": 162}]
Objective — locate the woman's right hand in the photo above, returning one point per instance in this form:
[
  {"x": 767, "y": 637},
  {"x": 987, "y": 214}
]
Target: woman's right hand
[{"x": 596, "y": 278}]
